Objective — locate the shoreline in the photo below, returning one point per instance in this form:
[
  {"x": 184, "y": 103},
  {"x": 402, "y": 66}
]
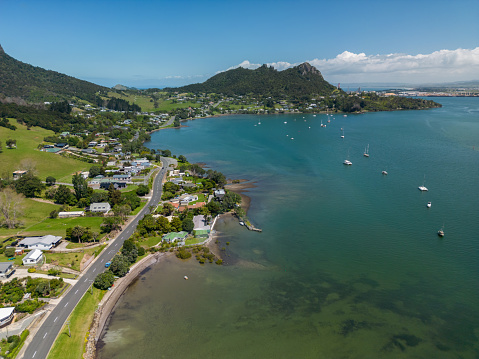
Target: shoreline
[{"x": 112, "y": 297}]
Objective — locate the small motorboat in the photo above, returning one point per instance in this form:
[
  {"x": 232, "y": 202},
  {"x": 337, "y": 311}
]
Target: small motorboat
[
  {"x": 428, "y": 205},
  {"x": 241, "y": 223},
  {"x": 185, "y": 277},
  {"x": 440, "y": 233},
  {"x": 347, "y": 162},
  {"x": 385, "y": 173}
]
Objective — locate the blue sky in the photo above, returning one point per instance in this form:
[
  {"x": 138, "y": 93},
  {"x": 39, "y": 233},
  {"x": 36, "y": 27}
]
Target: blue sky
[{"x": 169, "y": 43}]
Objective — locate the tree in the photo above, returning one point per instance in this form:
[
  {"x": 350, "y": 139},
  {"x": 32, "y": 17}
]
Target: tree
[
  {"x": 29, "y": 185},
  {"x": 95, "y": 171},
  {"x": 142, "y": 190},
  {"x": 11, "y": 143},
  {"x": 188, "y": 225},
  {"x": 196, "y": 170},
  {"x": 29, "y": 165},
  {"x": 9, "y": 252},
  {"x": 80, "y": 186},
  {"x": 119, "y": 265},
  {"x": 230, "y": 199},
  {"x": 168, "y": 209},
  {"x": 163, "y": 225},
  {"x": 78, "y": 232},
  {"x": 166, "y": 153},
  {"x": 176, "y": 224},
  {"x": 214, "y": 207},
  {"x": 63, "y": 195},
  {"x": 121, "y": 210},
  {"x": 111, "y": 224},
  {"x": 130, "y": 199},
  {"x": 50, "y": 181},
  {"x": 104, "y": 280},
  {"x": 11, "y": 206},
  {"x": 130, "y": 251},
  {"x": 114, "y": 195},
  {"x": 182, "y": 158}
]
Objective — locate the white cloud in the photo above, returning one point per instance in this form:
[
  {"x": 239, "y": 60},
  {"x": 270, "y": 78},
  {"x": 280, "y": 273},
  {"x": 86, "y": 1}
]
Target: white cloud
[{"x": 439, "y": 66}]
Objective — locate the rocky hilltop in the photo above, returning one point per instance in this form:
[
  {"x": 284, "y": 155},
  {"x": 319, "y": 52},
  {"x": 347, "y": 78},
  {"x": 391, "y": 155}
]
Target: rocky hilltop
[{"x": 301, "y": 80}]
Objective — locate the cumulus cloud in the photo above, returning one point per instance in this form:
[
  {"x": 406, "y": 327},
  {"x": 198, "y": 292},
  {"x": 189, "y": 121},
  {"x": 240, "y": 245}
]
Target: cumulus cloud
[{"x": 439, "y": 66}]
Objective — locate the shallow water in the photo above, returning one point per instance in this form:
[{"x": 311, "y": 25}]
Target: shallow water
[{"x": 349, "y": 264}]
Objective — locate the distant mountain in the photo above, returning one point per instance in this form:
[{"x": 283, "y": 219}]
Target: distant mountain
[
  {"x": 34, "y": 84},
  {"x": 297, "y": 81}
]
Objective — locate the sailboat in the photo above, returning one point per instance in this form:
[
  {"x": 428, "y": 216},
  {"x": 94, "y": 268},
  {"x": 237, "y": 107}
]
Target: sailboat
[
  {"x": 347, "y": 162},
  {"x": 440, "y": 232},
  {"x": 423, "y": 188},
  {"x": 366, "y": 151},
  {"x": 342, "y": 133},
  {"x": 322, "y": 124}
]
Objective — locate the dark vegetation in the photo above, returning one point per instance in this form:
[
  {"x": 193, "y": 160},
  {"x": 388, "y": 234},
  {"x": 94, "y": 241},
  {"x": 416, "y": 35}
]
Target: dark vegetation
[
  {"x": 34, "y": 84},
  {"x": 266, "y": 81}
]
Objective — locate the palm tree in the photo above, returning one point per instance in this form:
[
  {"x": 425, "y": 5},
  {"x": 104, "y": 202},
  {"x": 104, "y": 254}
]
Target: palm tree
[{"x": 78, "y": 232}]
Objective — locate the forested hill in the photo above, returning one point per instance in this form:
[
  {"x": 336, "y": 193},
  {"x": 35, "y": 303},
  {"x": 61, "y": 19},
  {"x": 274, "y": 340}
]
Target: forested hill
[
  {"x": 34, "y": 84},
  {"x": 293, "y": 82}
]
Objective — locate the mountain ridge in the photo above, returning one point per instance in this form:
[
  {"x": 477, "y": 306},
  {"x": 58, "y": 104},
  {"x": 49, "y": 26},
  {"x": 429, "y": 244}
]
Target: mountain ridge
[
  {"x": 35, "y": 84},
  {"x": 297, "y": 81}
]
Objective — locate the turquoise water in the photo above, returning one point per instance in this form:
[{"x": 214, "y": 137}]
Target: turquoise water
[{"x": 349, "y": 264}]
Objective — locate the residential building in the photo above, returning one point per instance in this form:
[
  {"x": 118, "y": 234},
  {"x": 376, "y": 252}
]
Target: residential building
[
  {"x": 6, "y": 316},
  {"x": 44, "y": 243},
  {"x": 220, "y": 193},
  {"x": 33, "y": 258},
  {"x": 102, "y": 207},
  {"x": 6, "y": 269},
  {"x": 178, "y": 237}
]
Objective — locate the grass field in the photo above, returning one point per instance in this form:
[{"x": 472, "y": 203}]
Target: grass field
[
  {"x": 80, "y": 320},
  {"x": 58, "y": 226},
  {"x": 70, "y": 260},
  {"x": 146, "y": 103},
  {"x": 34, "y": 212},
  {"x": 150, "y": 242},
  {"x": 47, "y": 164}
]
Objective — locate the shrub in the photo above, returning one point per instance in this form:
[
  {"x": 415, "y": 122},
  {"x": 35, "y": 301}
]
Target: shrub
[
  {"x": 31, "y": 270},
  {"x": 183, "y": 254},
  {"x": 104, "y": 280},
  {"x": 9, "y": 252}
]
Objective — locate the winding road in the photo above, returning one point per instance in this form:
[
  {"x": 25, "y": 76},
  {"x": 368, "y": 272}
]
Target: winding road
[{"x": 43, "y": 340}]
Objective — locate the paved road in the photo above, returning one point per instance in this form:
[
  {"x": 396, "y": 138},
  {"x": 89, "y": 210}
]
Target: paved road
[{"x": 46, "y": 334}]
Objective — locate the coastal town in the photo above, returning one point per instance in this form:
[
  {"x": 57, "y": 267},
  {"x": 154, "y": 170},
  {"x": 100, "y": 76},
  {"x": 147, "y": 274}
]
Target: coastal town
[{"x": 160, "y": 205}]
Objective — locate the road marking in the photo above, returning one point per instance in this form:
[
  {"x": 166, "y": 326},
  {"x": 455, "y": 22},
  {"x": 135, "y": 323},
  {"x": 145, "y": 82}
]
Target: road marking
[
  {"x": 45, "y": 335},
  {"x": 76, "y": 291},
  {"x": 66, "y": 304},
  {"x": 34, "y": 354},
  {"x": 94, "y": 269},
  {"x": 85, "y": 279},
  {"x": 101, "y": 261},
  {"x": 55, "y": 320}
]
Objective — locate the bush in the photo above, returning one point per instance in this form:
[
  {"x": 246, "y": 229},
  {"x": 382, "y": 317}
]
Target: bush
[
  {"x": 31, "y": 270},
  {"x": 29, "y": 306},
  {"x": 9, "y": 252},
  {"x": 104, "y": 280},
  {"x": 183, "y": 254}
]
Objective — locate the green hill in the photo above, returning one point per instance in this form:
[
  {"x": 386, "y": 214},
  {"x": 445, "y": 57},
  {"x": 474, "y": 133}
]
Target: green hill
[
  {"x": 293, "y": 82},
  {"x": 34, "y": 84}
]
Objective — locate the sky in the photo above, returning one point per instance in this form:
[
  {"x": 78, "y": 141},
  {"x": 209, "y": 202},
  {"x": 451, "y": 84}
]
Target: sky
[{"x": 146, "y": 43}]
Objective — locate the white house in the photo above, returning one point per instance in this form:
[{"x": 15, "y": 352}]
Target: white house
[
  {"x": 33, "y": 258},
  {"x": 6, "y": 269},
  {"x": 44, "y": 243},
  {"x": 6, "y": 316},
  {"x": 102, "y": 207}
]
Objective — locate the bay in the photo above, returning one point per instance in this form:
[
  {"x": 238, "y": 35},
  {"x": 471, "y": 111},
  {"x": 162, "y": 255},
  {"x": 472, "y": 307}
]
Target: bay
[{"x": 348, "y": 265}]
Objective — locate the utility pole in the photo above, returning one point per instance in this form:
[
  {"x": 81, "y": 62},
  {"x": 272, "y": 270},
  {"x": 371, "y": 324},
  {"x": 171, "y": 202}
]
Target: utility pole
[{"x": 69, "y": 333}]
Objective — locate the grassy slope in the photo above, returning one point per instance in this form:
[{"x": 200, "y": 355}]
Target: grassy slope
[
  {"x": 146, "y": 105},
  {"x": 80, "y": 320},
  {"x": 47, "y": 164},
  {"x": 34, "y": 213},
  {"x": 58, "y": 226}
]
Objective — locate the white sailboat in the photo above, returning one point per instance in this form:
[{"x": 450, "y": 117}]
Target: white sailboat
[
  {"x": 342, "y": 133},
  {"x": 366, "y": 151},
  {"x": 423, "y": 188},
  {"x": 347, "y": 161}
]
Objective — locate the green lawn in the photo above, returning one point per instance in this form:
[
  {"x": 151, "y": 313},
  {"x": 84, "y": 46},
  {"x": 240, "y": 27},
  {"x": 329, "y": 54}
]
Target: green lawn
[
  {"x": 58, "y": 226},
  {"x": 47, "y": 164},
  {"x": 34, "y": 212},
  {"x": 192, "y": 241},
  {"x": 150, "y": 242},
  {"x": 80, "y": 320},
  {"x": 69, "y": 260},
  {"x": 138, "y": 209},
  {"x": 17, "y": 260}
]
